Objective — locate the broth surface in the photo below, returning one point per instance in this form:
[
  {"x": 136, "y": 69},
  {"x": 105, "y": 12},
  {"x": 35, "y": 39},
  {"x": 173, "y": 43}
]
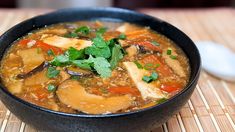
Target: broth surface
[{"x": 95, "y": 67}]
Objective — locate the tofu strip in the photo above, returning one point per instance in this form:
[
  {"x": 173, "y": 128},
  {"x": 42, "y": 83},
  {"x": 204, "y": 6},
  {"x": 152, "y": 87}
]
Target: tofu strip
[
  {"x": 65, "y": 43},
  {"x": 147, "y": 90},
  {"x": 174, "y": 64}
]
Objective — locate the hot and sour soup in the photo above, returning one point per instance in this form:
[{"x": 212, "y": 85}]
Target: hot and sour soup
[{"x": 94, "y": 67}]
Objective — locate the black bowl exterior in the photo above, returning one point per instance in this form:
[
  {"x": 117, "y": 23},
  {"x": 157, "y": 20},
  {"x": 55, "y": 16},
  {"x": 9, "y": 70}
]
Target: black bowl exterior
[{"x": 142, "y": 120}]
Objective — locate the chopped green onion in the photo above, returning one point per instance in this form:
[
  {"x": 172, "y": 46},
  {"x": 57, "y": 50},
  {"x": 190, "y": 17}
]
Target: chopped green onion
[
  {"x": 155, "y": 43},
  {"x": 148, "y": 66},
  {"x": 173, "y": 57},
  {"x": 154, "y": 76},
  {"x": 51, "y": 87},
  {"x": 147, "y": 79},
  {"x": 168, "y": 51},
  {"x": 138, "y": 65},
  {"x": 50, "y": 52},
  {"x": 52, "y": 72},
  {"x": 157, "y": 65},
  {"x": 161, "y": 100},
  {"x": 122, "y": 36}
]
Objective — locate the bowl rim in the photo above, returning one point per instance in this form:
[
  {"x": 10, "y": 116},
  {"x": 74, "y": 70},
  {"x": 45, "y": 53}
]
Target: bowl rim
[{"x": 191, "y": 82}]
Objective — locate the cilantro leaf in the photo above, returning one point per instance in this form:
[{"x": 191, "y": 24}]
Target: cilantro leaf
[
  {"x": 60, "y": 60},
  {"x": 122, "y": 36},
  {"x": 98, "y": 52},
  {"x": 101, "y": 30},
  {"x": 99, "y": 42},
  {"x": 84, "y": 64},
  {"x": 74, "y": 54},
  {"x": 50, "y": 52},
  {"x": 52, "y": 72},
  {"x": 71, "y": 35},
  {"x": 102, "y": 66},
  {"x": 116, "y": 56},
  {"x": 83, "y": 30},
  {"x": 51, "y": 87}
]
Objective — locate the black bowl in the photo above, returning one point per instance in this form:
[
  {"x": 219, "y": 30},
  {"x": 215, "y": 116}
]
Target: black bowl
[{"x": 141, "y": 120}]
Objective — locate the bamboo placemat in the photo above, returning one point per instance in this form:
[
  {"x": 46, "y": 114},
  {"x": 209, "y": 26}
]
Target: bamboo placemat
[{"x": 212, "y": 105}]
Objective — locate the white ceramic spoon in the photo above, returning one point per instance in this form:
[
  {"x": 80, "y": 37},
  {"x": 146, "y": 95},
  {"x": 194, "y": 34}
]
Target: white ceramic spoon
[{"x": 217, "y": 60}]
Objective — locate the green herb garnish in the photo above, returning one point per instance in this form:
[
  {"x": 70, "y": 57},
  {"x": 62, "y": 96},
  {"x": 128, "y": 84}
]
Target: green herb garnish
[
  {"x": 173, "y": 57},
  {"x": 60, "y": 60},
  {"x": 51, "y": 87},
  {"x": 155, "y": 43},
  {"x": 52, "y": 72},
  {"x": 152, "y": 77},
  {"x": 101, "y": 30},
  {"x": 148, "y": 66},
  {"x": 161, "y": 100},
  {"x": 102, "y": 57},
  {"x": 50, "y": 52},
  {"x": 168, "y": 52},
  {"x": 99, "y": 48},
  {"x": 85, "y": 30},
  {"x": 117, "y": 55},
  {"x": 147, "y": 79},
  {"x": 71, "y": 35},
  {"x": 122, "y": 36},
  {"x": 101, "y": 65},
  {"x": 139, "y": 66},
  {"x": 74, "y": 54},
  {"x": 84, "y": 64}
]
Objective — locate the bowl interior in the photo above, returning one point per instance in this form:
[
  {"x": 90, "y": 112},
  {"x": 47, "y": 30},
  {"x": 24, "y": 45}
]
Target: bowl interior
[{"x": 105, "y": 14}]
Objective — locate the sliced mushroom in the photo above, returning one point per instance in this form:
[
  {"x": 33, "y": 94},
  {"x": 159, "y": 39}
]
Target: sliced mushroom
[
  {"x": 35, "y": 70},
  {"x": 147, "y": 90},
  {"x": 38, "y": 78},
  {"x": 71, "y": 93},
  {"x": 78, "y": 72},
  {"x": 15, "y": 87},
  {"x": 31, "y": 58}
]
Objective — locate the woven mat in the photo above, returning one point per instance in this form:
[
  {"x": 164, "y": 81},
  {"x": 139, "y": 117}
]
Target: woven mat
[{"x": 212, "y": 105}]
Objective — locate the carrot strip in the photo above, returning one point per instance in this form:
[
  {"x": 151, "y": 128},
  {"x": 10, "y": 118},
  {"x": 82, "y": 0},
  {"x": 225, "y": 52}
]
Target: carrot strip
[
  {"x": 42, "y": 45},
  {"x": 171, "y": 87},
  {"x": 47, "y": 47},
  {"x": 124, "y": 90}
]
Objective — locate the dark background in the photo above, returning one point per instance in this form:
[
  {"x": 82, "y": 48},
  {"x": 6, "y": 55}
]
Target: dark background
[{"x": 133, "y": 4}]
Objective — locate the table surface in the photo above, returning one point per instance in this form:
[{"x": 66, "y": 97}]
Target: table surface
[{"x": 212, "y": 105}]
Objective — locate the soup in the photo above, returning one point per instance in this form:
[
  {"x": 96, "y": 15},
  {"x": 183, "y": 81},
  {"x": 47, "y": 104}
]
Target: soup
[{"x": 94, "y": 67}]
